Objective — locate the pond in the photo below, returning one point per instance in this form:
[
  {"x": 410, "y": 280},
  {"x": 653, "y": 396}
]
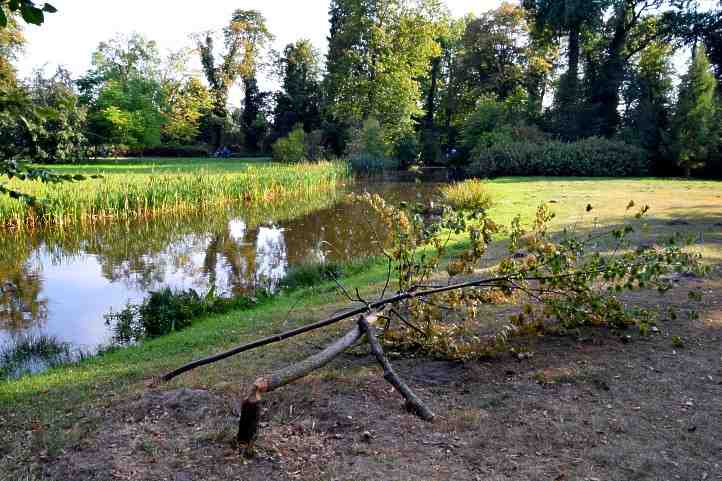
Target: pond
[{"x": 61, "y": 284}]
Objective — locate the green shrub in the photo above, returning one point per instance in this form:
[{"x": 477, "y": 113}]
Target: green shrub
[
  {"x": 314, "y": 146},
  {"x": 489, "y": 116},
  {"x": 368, "y": 151},
  {"x": 470, "y": 195},
  {"x": 494, "y": 122},
  {"x": 311, "y": 274},
  {"x": 166, "y": 311},
  {"x": 592, "y": 157},
  {"x": 407, "y": 149},
  {"x": 292, "y": 148}
]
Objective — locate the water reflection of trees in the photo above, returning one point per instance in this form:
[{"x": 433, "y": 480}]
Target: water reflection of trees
[
  {"x": 232, "y": 250},
  {"x": 21, "y": 304}
]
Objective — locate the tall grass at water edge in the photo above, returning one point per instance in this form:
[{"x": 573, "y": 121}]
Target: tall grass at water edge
[{"x": 134, "y": 196}]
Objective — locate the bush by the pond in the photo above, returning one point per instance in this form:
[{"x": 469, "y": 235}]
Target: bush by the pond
[
  {"x": 470, "y": 195},
  {"x": 291, "y": 148},
  {"x": 368, "y": 151},
  {"x": 592, "y": 157},
  {"x": 166, "y": 311},
  {"x": 31, "y": 353}
]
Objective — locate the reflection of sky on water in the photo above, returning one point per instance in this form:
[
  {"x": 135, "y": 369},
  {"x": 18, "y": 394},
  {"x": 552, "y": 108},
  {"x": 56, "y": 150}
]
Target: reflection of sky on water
[
  {"x": 271, "y": 257},
  {"x": 77, "y": 291},
  {"x": 64, "y": 289}
]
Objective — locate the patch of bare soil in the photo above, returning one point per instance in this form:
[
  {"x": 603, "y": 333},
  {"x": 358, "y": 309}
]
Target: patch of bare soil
[{"x": 595, "y": 406}]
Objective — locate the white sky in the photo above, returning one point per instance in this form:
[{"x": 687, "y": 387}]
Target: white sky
[{"x": 68, "y": 37}]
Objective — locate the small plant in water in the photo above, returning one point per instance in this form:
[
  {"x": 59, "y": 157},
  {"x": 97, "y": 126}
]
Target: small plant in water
[{"x": 31, "y": 354}]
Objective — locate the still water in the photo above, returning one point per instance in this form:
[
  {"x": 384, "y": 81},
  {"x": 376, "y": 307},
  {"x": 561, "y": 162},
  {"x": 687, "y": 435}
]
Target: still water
[{"x": 62, "y": 284}]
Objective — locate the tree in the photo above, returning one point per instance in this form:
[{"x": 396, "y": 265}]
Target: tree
[
  {"x": 300, "y": 98},
  {"x": 123, "y": 92},
  {"x": 125, "y": 57},
  {"x": 631, "y": 27},
  {"x": 128, "y": 113},
  {"x": 186, "y": 103},
  {"x": 695, "y": 132},
  {"x": 560, "y": 280},
  {"x": 244, "y": 39},
  {"x": 59, "y": 136},
  {"x": 41, "y": 120},
  {"x": 451, "y": 93},
  {"x": 18, "y": 117},
  {"x": 648, "y": 99},
  {"x": 570, "y": 19},
  {"x": 378, "y": 51},
  {"x": 495, "y": 52},
  {"x": 407, "y": 147},
  {"x": 28, "y": 10},
  {"x": 254, "y": 115},
  {"x": 11, "y": 44}
]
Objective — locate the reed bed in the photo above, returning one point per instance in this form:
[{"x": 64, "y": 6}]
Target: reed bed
[{"x": 126, "y": 196}]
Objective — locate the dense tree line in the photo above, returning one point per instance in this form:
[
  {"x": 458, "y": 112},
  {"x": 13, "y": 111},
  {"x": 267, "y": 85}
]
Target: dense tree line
[{"x": 403, "y": 82}]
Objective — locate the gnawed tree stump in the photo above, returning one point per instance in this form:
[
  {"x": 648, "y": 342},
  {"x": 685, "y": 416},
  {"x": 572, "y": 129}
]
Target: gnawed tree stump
[
  {"x": 250, "y": 411},
  {"x": 251, "y": 407}
]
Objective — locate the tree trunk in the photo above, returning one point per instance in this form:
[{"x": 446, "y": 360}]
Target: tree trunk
[
  {"x": 606, "y": 91},
  {"x": 251, "y": 408},
  {"x": 574, "y": 53},
  {"x": 430, "y": 142}
]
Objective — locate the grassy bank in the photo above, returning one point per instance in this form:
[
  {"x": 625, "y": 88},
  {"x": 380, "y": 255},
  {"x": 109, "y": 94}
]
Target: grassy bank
[
  {"x": 53, "y": 406},
  {"x": 134, "y": 189}
]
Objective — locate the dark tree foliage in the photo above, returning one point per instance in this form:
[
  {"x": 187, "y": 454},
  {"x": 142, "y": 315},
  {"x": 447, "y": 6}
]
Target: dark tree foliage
[
  {"x": 495, "y": 52},
  {"x": 29, "y": 11},
  {"x": 254, "y": 116},
  {"x": 60, "y": 136},
  {"x": 299, "y": 102},
  {"x": 570, "y": 19}
]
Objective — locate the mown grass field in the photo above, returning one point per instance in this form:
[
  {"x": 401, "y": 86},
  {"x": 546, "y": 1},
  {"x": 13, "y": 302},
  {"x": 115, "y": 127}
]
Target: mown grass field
[
  {"x": 138, "y": 188},
  {"x": 47, "y": 412}
]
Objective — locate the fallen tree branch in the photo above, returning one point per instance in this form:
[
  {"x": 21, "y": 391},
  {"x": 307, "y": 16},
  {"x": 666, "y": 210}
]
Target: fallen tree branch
[
  {"x": 325, "y": 323},
  {"x": 413, "y": 403},
  {"x": 250, "y": 411}
]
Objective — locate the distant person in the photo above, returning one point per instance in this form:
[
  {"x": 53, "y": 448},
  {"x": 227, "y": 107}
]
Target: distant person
[{"x": 222, "y": 153}]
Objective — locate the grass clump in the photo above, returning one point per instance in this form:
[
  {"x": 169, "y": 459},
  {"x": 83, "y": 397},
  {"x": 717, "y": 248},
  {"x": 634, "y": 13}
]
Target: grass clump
[
  {"x": 470, "y": 195},
  {"x": 311, "y": 274},
  {"x": 30, "y": 354}
]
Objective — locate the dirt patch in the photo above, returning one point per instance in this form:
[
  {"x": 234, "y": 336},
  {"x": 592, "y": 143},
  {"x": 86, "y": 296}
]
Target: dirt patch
[{"x": 595, "y": 406}]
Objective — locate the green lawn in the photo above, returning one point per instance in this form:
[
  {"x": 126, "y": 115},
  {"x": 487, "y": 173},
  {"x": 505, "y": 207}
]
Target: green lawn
[
  {"x": 58, "y": 399},
  {"x": 152, "y": 165}
]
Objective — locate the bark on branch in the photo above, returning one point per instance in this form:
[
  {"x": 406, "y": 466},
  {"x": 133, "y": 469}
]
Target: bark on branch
[
  {"x": 250, "y": 411},
  {"x": 413, "y": 402}
]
